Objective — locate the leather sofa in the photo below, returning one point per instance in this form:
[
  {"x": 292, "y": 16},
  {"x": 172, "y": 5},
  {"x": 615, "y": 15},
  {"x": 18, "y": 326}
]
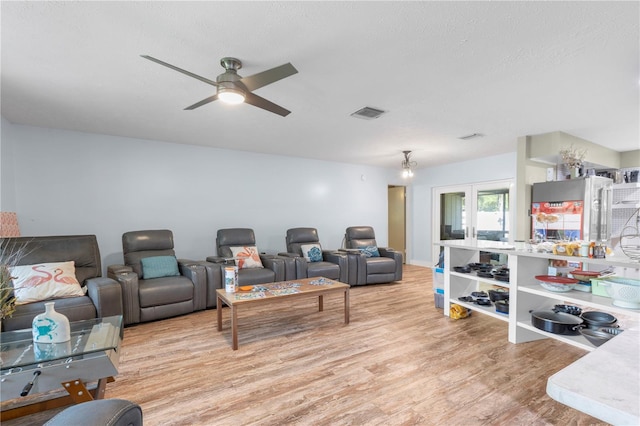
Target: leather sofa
[
  {"x": 149, "y": 299},
  {"x": 332, "y": 265},
  {"x": 384, "y": 268},
  {"x": 231, "y": 238},
  {"x": 103, "y": 296}
]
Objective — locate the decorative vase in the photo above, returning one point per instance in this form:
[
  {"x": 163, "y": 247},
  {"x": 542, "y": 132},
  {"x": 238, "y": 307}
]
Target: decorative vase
[
  {"x": 49, "y": 351},
  {"x": 50, "y": 326},
  {"x": 575, "y": 172}
]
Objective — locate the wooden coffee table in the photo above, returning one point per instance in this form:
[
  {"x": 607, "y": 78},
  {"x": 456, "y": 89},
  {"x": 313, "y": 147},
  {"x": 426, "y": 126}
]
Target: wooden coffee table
[{"x": 268, "y": 293}]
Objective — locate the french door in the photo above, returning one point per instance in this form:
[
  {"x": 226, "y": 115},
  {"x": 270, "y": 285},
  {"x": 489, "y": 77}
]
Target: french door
[{"x": 473, "y": 212}]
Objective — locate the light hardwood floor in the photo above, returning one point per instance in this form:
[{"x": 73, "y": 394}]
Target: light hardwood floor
[{"x": 399, "y": 362}]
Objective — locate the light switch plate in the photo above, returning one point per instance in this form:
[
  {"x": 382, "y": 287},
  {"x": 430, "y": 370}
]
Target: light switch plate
[{"x": 550, "y": 174}]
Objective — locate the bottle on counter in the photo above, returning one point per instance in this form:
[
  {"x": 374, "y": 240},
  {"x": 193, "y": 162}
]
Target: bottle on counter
[{"x": 584, "y": 249}]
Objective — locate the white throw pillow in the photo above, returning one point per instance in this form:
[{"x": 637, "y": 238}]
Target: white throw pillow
[
  {"x": 247, "y": 257},
  {"x": 312, "y": 252},
  {"x": 35, "y": 283}
]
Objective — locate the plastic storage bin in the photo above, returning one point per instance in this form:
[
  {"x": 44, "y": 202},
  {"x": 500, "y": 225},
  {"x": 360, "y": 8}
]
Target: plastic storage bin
[
  {"x": 597, "y": 288},
  {"x": 438, "y": 287},
  {"x": 438, "y": 278},
  {"x": 438, "y": 298}
]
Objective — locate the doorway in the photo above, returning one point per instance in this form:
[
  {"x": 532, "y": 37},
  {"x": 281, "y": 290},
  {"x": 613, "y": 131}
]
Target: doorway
[
  {"x": 397, "y": 220},
  {"x": 482, "y": 211}
]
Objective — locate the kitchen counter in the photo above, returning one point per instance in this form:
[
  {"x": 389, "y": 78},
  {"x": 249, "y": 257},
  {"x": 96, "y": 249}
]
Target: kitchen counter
[{"x": 604, "y": 383}]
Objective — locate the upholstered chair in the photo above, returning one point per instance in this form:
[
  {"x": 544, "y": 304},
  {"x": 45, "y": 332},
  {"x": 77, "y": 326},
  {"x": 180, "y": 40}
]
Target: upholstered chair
[
  {"x": 155, "y": 284},
  {"x": 368, "y": 263},
  {"x": 237, "y": 246},
  {"x": 97, "y": 296},
  {"x": 311, "y": 260}
]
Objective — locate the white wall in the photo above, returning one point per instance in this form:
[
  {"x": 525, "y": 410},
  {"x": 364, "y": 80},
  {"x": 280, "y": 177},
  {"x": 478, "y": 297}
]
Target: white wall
[
  {"x": 481, "y": 170},
  {"x": 62, "y": 182},
  {"x": 76, "y": 183},
  {"x": 7, "y": 185}
]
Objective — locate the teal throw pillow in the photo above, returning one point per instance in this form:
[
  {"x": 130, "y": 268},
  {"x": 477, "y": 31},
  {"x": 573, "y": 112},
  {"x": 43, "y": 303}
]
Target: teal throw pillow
[
  {"x": 312, "y": 252},
  {"x": 370, "y": 251},
  {"x": 159, "y": 266}
]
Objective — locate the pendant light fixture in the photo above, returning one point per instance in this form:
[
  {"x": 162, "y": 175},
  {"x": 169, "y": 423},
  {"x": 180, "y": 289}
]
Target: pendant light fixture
[{"x": 408, "y": 165}]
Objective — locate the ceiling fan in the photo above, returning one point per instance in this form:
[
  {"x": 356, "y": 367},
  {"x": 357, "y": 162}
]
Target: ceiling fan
[{"x": 234, "y": 89}]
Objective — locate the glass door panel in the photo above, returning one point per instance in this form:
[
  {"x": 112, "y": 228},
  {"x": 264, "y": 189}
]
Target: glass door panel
[
  {"x": 492, "y": 214},
  {"x": 453, "y": 216},
  {"x": 473, "y": 212}
]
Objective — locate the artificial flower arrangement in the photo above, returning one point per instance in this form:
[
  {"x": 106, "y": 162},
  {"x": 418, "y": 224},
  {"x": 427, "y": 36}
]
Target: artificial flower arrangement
[{"x": 573, "y": 157}]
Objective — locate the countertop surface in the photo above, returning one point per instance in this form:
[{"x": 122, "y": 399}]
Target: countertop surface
[
  {"x": 604, "y": 383},
  {"x": 510, "y": 248}
]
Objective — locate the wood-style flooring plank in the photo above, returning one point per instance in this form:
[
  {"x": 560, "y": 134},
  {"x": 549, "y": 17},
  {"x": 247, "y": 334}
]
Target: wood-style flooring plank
[{"x": 400, "y": 361}]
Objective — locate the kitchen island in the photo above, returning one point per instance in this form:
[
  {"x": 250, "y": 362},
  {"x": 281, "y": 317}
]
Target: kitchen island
[{"x": 605, "y": 383}]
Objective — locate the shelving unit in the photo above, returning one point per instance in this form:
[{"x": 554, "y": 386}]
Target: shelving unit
[
  {"x": 630, "y": 185},
  {"x": 626, "y": 200},
  {"x": 626, "y": 196},
  {"x": 526, "y": 294},
  {"x": 626, "y": 206}
]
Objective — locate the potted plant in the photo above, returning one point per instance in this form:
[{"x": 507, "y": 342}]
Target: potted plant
[{"x": 8, "y": 257}]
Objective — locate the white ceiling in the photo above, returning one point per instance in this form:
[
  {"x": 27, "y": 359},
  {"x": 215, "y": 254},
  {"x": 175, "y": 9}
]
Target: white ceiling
[{"x": 441, "y": 69}]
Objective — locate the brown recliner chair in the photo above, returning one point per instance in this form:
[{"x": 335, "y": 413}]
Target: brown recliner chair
[
  {"x": 103, "y": 296},
  {"x": 328, "y": 263},
  {"x": 228, "y": 240},
  {"x": 368, "y": 263},
  {"x": 156, "y": 285}
]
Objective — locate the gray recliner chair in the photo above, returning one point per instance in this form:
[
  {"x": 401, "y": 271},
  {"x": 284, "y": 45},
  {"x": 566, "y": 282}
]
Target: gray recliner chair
[
  {"x": 153, "y": 286},
  {"x": 329, "y": 263},
  {"x": 103, "y": 412},
  {"x": 103, "y": 296},
  {"x": 227, "y": 240},
  {"x": 368, "y": 263}
]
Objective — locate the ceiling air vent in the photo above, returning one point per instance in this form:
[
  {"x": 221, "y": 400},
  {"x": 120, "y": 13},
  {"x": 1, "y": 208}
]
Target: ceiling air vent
[
  {"x": 368, "y": 113},
  {"x": 471, "y": 136}
]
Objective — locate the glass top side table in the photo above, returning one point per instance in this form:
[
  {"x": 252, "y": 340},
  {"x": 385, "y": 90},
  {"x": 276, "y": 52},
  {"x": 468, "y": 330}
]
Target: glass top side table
[{"x": 29, "y": 368}]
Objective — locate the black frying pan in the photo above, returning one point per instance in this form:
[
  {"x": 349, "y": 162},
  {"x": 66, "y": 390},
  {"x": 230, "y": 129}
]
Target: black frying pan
[{"x": 556, "y": 322}]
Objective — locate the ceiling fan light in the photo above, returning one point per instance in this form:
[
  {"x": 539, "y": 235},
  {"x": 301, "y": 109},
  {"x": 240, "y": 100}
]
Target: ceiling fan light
[{"x": 230, "y": 95}]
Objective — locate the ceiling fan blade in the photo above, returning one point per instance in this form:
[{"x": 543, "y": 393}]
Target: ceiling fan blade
[
  {"x": 203, "y": 102},
  {"x": 255, "y": 100},
  {"x": 190, "y": 74},
  {"x": 272, "y": 75}
]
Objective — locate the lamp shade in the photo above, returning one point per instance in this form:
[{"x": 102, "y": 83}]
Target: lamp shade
[{"x": 230, "y": 95}]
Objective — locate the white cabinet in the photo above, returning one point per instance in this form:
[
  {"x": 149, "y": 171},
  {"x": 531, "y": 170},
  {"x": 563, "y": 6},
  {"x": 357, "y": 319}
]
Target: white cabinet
[{"x": 524, "y": 291}]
